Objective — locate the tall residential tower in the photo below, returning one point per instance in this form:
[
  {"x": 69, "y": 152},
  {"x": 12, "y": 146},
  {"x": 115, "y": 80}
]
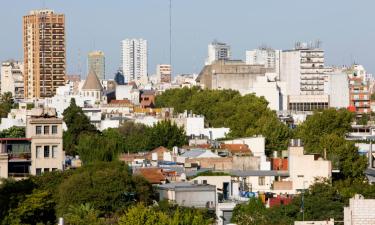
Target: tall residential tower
[
  {"x": 44, "y": 53},
  {"x": 134, "y": 60}
]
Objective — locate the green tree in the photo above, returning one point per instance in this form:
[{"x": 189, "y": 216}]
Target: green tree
[
  {"x": 108, "y": 187},
  {"x": 167, "y": 134},
  {"x": 321, "y": 123},
  {"x": 104, "y": 146},
  {"x": 136, "y": 136},
  {"x": 6, "y": 104},
  {"x": 13, "y": 132},
  {"x": 11, "y": 193},
  {"x": 78, "y": 123},
  {"x": 252, "y": 213},
  {"x": 83, "y": 214},
  {"x": 245, "y": 115},
  {"x": 38, "y": 207}
]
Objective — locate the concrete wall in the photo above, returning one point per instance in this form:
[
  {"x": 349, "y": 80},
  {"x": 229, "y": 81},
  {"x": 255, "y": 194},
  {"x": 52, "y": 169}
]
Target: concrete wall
[
  {"x": 256, "y": 144},
  {"x": 360, "y": 211}
]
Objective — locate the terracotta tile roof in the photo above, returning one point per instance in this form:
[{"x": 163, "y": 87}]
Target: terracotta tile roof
[
  {"x": 236, "y": 148},
  {"x": 152, "y": 175}
]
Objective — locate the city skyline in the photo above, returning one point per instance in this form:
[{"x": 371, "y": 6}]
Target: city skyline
[{"x": 340, "y": 33}]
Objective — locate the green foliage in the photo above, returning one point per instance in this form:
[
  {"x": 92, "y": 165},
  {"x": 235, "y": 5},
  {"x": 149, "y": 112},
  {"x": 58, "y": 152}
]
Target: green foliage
[
  {"x": 167, "y": 134},
  {"x": 135, "y": 136},
  {"x": 138, "y": 137},
  {"x": 142, "y": 215},
  {"x": 211, "y": 173},
  {"x": 321, "y": 123},
  {"x": 83, "y": 214},
  {"x": 245, "y": 115},
  {"x": 104, "y": 146},
  {"x": 6, "y": 104},
  {"x": 254, "y": 212},
  {"x": 11, "y": 193},
  {"x": 13, "y": 132},
  {"x": 37, "y": 207},
  {"x": 344, "y": 156},
  {"x": 108, "y": 187},
  {"x": 78, "y": 123}
]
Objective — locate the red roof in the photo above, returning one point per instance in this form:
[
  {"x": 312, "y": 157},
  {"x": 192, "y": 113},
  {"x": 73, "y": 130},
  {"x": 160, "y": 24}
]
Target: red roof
[
  {"x": 152, "y": 175},
  {"x": 236, "y": 148}
]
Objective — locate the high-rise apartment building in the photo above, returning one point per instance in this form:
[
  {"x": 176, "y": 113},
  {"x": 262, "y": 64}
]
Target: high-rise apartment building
[
  {"x": 134, "y": 60},
  {"x": 164, "y": 73},
  {"x": 268, "y": 57},
  {"x": 12, "y": 78},
  {"x": 218, "y": 51},
  {"x": 96, "y": 63},
  {"x": 44, "y": 53},
  {"x": 359, "y": 89}
]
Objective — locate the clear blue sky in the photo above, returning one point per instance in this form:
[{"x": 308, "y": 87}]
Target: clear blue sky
[{"x": 346, "y": 28}]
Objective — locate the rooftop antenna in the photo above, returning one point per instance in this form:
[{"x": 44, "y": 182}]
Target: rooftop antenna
[
  {"x": 79, "y": 64},
  {"x": 170, "y": 32}
]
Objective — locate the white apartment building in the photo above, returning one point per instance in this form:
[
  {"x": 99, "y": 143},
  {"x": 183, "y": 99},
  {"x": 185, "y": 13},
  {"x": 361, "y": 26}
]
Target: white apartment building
[
  {"x": 268, "y": 57},
  {"x": 303, "y": 71},
  {"x": 12, "y": 79},
  {"x": 134, "y": 60},
  {"x": 218, "y": 51},
  {"x": 336, "y": 86}
]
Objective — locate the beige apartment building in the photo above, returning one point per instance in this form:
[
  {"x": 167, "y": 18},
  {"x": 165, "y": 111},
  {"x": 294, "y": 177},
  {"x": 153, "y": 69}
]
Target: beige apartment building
[
  {"x": 45, "y": 131},
  {"x": 44, "y": 53}
]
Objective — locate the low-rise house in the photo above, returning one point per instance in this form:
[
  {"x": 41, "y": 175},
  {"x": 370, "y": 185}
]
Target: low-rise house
[
  {"x": 189, "y": 195},
  {"x": 236, "y": 149},
  {"x": 195, "y": 154}
]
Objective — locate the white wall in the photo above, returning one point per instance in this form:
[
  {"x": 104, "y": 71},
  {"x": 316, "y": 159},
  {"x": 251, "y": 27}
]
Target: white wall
[{"x": 256, "y": 144}]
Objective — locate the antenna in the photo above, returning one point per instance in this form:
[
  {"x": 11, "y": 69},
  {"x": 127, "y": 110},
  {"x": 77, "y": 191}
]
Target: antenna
[
  {"x": 79, "y": 64},
  {"x": 170, "y": 32}
]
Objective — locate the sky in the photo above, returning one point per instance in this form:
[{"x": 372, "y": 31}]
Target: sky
[{"x": 346, "y": 29}]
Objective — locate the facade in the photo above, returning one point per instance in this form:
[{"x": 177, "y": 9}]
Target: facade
[
  {"x": 337, "y": 88},
  {"x": 164, "y": 73},
  {"x": 268, "y": 57},
  {"x": 359, "y": 89},
  {"x": 218, "y": 51},
  {"x": 134, "y": 60},
  {"x": 189, "y": 195},
  {"x": 12, "y": 79},
  {"x": 46, "y": 133},
  {"x": 360, "y": 211},
  {"x": 44, "y": 53},
  {"x": 302, "y": 69},
  {"x": 96, "y": 62}
]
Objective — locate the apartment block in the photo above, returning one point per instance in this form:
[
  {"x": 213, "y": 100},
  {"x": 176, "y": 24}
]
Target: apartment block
[
  {"x": 164, "y": 73},
  {"x": 12, "y": 78},
  {"x": 44, "y": 53},
  {"x": 45, "y": 131},
  {"x": 359, "y": 89},
  {"x": 218, "y": 51}
]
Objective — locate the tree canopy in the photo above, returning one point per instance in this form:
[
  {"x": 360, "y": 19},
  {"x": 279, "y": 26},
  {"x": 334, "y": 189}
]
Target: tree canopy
[
  {"x": 77, "y": 123},
  {"x": 245, "y": 115},
  {"x": 13, "y": 132}
]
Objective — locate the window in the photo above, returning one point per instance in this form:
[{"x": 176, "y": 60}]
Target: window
[
  {"x": 46, "y": 151},
  {"x": 54, "y": 151},
  {"x": 54, "y": 169},
  {"x": 204, "y": 181},
  {"x": 261, "y": 181},
  {"x": 54, "y": 129},
  {"x": 38, "y": 171},
  {"x": 38, "y": 151},
  {"x": 46, "y": 169},
  {"x": 38, "y": 129},
  {"x": 46, "y": 129}
]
